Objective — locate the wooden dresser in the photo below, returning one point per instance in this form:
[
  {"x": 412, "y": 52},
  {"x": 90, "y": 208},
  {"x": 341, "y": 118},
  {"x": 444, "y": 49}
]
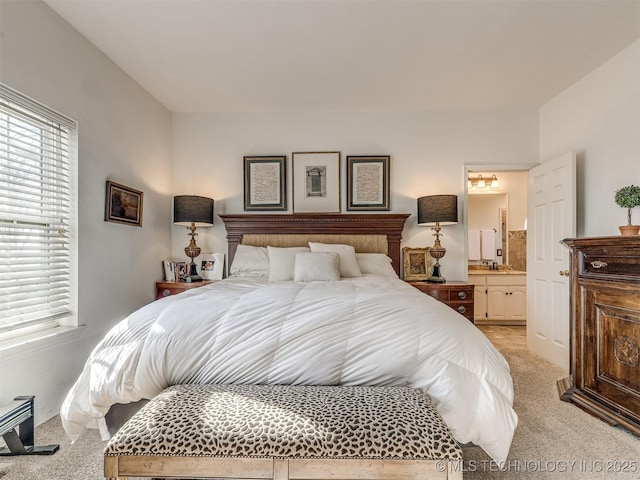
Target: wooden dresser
[
  {"x": 457, "y": 295},
  {"x": 605, "y": 329}
]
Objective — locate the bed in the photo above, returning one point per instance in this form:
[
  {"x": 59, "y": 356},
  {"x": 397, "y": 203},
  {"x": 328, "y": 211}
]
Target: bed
[{"x": 257, "y": 328}]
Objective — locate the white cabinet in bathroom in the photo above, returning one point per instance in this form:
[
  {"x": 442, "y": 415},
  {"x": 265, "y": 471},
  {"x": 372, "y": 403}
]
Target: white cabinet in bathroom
[{"x": 501, "y": 298}]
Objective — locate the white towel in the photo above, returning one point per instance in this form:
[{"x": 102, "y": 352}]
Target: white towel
[
  {"x": 488, "y": 245},
  {"x": 474, "y": 244}
]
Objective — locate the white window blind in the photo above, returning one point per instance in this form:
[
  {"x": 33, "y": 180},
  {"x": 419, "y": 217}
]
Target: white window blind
[{"x": 35, "y": 212}]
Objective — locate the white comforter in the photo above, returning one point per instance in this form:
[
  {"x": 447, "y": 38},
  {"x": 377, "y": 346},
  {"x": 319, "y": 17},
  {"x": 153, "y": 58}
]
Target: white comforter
[{"x": 371, "y": 330}]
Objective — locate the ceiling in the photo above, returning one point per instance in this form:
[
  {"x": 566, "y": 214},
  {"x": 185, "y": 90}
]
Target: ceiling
[{"x": 354, "y": 55}]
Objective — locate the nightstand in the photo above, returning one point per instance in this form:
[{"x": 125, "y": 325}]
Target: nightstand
[
  {"x": 457, "y": 295},
  {"x": 164, "y": 289}
]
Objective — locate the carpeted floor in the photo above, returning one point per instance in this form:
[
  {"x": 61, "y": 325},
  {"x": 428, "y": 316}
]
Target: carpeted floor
[{"x": 554, "y": 440}]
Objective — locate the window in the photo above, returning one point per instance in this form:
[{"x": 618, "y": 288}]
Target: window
[{"x": 35, "y": 213}]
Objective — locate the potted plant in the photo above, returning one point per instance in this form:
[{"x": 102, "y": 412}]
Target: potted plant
[{"x": 628, "y": 197}]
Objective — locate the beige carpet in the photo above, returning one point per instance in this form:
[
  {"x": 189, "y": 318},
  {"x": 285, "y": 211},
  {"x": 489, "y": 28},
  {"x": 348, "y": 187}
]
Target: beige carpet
[{"x": 554, "y": 440}]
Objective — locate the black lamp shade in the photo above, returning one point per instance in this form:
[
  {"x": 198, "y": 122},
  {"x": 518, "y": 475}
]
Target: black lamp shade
[
  {"x": 188, "y": 209},
  {"x": 438, "y": 208}
]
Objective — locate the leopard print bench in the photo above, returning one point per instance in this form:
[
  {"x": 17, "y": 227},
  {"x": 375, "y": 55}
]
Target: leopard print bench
[{"x": 285, "y": 432}]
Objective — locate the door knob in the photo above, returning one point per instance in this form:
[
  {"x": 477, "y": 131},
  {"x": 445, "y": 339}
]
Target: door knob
[{"x": 564, "y": 273}]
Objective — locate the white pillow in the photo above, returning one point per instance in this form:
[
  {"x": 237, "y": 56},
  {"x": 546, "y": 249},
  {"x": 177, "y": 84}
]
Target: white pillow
[
  {"x": 250, "y": 261},
  {"x": 317, "y": 267},
  {"x": 348, "y": 264},
  {"x": 376, "y": 263},
  {"x": 282, "y": 262}
]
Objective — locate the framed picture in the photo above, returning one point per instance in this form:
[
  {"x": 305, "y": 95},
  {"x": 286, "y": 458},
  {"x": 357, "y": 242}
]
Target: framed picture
[
  {"x": 211, "y": 266},
  {"x": 181, "y": 271},
  {"x": 169, "y": 271},
  {"x": 316, "y": 182},
  {"x": 265, "y": 183},
  {"x": 368, "y": 182},
  {"x": 417, "y": 263},
  {"x": 123, "y": 205}
]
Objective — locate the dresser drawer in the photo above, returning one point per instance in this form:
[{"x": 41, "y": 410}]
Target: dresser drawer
[
  {"x": 166, "y": 289},
  {"x": 463, "y": 308},
  {"x": 457, "y": 295},
  {"x": 604, "y": 264}
]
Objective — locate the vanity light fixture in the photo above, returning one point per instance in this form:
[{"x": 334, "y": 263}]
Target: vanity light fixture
[{"x": 481, "y": 183}]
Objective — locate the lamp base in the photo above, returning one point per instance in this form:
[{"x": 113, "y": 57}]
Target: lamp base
[
  {"x": 435, "y": 276},
  {"x": 193, "y": 273},
  {"x": 433, "y": 279}
]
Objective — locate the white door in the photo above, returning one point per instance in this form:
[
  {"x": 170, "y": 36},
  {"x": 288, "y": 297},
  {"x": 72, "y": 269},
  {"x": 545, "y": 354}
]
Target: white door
[{"x": 551, "y": 216}]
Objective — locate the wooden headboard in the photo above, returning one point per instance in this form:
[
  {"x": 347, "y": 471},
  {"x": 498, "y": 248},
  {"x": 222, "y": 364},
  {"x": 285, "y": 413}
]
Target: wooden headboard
[{"x": 388, "y": 225}]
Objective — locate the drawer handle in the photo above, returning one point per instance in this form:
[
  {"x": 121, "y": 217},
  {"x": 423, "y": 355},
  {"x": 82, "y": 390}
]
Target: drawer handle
[
  {"x": 166, "y": 292},
  {"x": 598, "y": 264},
  {"x": 462, "y": 309},
  {"x": 462, "y": 295}
]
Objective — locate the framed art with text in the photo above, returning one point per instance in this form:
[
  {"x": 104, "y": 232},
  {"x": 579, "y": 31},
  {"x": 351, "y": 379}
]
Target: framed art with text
[
  {"x": 368, "y": 182},
  {"x": 265, "y": 182},
  {"x": 316, "y": 182},
  {"x": 123, "y": 205}
]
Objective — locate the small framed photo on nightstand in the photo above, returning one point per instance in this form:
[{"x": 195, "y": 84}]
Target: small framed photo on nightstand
[
  {"x": 181, "y": 271},
  {"x": 211, "y": 266},
  {"x": 418, "y": 265}
]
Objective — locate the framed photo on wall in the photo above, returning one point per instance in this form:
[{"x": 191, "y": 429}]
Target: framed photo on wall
[
  {"x": 418, "y": 264},
  {"x": 123, "y": 205},
  {"x": 316, "y": 182},
  {"x": 265, "y": 186},
  {"x": 368, "y": 182},
  {"x": 211, "y": 266}
]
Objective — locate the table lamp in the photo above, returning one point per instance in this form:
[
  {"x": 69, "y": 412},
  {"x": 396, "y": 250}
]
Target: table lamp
[
  {"x": 193, "y": 211},
  {"x": 437, "y": 210}
]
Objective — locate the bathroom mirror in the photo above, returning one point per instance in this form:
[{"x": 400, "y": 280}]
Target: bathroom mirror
[
  {"x": 503, "y": 207},
  {"x": 488, "y": 228}
]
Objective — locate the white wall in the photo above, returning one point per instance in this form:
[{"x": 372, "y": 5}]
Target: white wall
[
  {"x": 428, "y": 151},
  {"x": 124, "y": 135},
  {"x": 599, "y": 119}
]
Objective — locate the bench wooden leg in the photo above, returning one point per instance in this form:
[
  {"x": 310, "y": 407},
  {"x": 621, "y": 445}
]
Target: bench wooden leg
[{"x": 111, "y": 469}]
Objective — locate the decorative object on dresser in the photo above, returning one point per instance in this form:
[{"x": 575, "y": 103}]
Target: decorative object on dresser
[
  {"x": 368, "y": 182},
  {"x": 123, "y": 205},
  {"x": 316, "y": 182},
  {"x": 417, "y": 264},
  {"x": 437, "y": 210},
  {"x": 265, "y": 182},
  {"x": 605, "y": 329},
  {"x": 628, "y": 197},
  {"x": 165, "y": 289},
  {"x": 457, "y": 295},
  {"x": 193, "y": 211}
]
